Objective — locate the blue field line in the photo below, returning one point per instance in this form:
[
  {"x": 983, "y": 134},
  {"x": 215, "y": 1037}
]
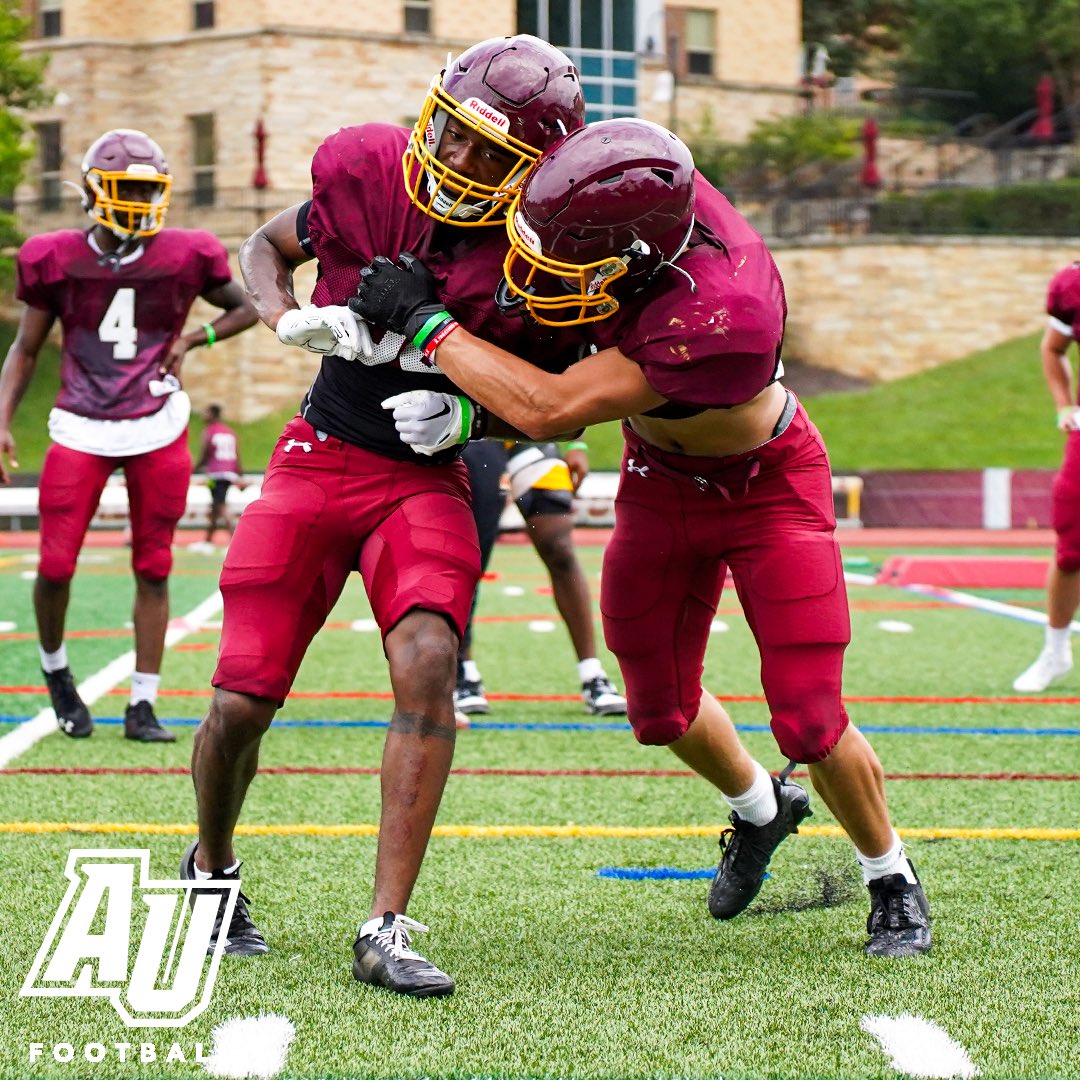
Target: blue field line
[
  {"x": 654, "y": 873},
  {"x": 487, "y": 725},
  {"x": 657, "y": 873}
]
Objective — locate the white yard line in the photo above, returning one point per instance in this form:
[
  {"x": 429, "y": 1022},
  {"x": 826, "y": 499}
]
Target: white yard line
[
  {"x": 101, "y": 682},
  {"x": 918, "y": 1047},
  {"x": 251, "y": 1046}
]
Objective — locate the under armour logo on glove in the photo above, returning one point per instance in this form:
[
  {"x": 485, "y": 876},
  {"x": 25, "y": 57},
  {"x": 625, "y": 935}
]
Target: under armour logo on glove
[{"x": 305, "y": 446}]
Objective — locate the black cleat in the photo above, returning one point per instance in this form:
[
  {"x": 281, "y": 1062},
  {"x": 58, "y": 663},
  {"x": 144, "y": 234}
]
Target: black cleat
[
  {"x": 244, "y": 938},
  {"x": 745, "y": 851},
  {"x": 899, "y": 923},
  {"x": 142, "y": 725},
  {"x": 383, "y": 957},
  {"x": 72, "y": 715},
  {"x": 469, "y": 697},
  {"x": 601, "y": 698}
]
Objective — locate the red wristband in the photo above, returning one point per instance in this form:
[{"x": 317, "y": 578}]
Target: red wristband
[{"x": 438, "y": 338}]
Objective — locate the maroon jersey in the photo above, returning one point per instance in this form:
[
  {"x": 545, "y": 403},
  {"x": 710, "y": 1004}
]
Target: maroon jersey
[
  {"x": 359, "y": 209},
  {"x": 117, "y": 324},
  {"x": 1063, "y": 298},
  {"x": 220, "y": 452},
  {"x": 717, "y": 345}
]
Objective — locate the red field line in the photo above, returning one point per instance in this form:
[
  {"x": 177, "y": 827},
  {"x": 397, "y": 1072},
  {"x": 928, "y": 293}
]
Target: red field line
[
  {"x": 385, "y": 695},
  {"x": 361, "y": 770}
]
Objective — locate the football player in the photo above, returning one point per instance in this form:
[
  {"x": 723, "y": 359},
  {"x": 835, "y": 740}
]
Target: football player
[
  {"x": 122, "y": 291},
  {"x": 615, "y": 234},
  {"x": 1055, "y": 661},
  {"x": 342, "y": 493},
  {"x": 542, "y": 483},
  {"x": 220, "y": 460}
]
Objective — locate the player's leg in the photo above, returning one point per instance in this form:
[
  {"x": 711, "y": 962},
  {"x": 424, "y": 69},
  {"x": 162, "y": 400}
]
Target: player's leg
[
  {"x": 69, "y": 491},
  {"x": 550, "y": 523},
  {"x": 284, "y": 570},
  {"x": 1055, "y": 660},
  {"x": 486, "y": 461},
  {"x": 789, "y": 574},
  {"x": 658, "y": 599},
  {"x": 420, "y": 568},
  {"x": 157, "y": 484}
]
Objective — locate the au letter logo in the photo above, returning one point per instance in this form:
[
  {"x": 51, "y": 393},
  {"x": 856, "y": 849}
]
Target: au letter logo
[{"x": 156, "y": 978}]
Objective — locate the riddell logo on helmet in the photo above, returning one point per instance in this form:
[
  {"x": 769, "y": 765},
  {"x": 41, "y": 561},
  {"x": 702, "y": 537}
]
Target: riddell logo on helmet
[
  {"x": 486, "y": 112},
  {"x": 526, "y": 234}
]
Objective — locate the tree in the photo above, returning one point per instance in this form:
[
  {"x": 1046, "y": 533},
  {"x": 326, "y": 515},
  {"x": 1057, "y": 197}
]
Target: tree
[
  {"x": 856, "y": 33},
  {"x": 21, "y": 88},
  {"x": 996, "y": 48}
]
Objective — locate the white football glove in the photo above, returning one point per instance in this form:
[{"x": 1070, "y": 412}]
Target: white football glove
[
  {"x": 429, "y": 421},
  {"x": 332, "y": 331}
]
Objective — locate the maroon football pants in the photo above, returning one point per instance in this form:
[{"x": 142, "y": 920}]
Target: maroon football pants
[
  {"x": 680, "y": 522},
  {"x": 1066, "y": 507},
  {"x": 327, "y": 508},
  {"x": 70, "y": 489}
]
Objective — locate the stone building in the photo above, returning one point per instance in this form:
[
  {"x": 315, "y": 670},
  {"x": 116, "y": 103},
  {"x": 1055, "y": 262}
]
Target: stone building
[{"x": 202, "y": 76}]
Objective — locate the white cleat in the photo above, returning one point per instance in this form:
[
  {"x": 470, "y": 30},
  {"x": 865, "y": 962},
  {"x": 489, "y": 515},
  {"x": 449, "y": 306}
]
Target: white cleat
[{"x": 1047, "y": 669}]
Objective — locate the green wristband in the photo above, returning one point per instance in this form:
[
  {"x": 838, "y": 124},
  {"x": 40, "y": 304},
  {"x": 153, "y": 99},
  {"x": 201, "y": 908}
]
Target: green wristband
[
  {"x": 432, "y": 324},
  {"x": 468, "y": 415},
  {"x": 211, "y": 334},
  {"x": 578, "y": 444}
]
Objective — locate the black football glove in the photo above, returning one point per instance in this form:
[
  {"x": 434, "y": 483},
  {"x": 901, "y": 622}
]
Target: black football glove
[{"x": 401, "y": 297}]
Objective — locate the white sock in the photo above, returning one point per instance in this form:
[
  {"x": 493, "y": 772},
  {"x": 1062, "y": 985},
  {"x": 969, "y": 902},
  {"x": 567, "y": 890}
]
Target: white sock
[
  {"x": 757, "y": 804},
  {"x": 205, "y": 875},
  {"x": 894, "y": 861},
  {"x": 589, "y": 669},
  {"x": 53, "y": 661},
  {"x": 1057, "y": 640},
  {"x": 470, "y": 672},
  {"x": 144, "y": 687}
]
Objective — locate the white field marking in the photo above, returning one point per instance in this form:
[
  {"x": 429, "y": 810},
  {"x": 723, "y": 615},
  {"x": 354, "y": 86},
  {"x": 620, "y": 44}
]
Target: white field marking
[
  {"x": 28, "y": 575},
  {"x": 541, "y": 626},
  {"x": 513, "y": 590},
  {"x": 918, "y": 1047},
  {"x": 719, "y": 627},
  {"x": 980, "y": 603},
  {"x": 251, "y": 1046},
  {"x": 895, "y": 626},
  {"x": 6, "y": 626},
  {"x": 33, "y": 731},
  {"x": 364, "y": 626},
  {"x": 859, "y": 579}
]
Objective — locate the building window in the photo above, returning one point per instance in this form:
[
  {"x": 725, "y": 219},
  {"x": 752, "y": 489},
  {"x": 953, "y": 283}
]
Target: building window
[
  {"x": 700, "y": 42},
  {"x": 417, "y": 16},
  {"x": 202, "y": 15},
  {"x": 50, "y": 164},
  {"x": 204, "y": 159},
  {"x": 598, "y": 35},
  {"x": 51, "y": 22}
]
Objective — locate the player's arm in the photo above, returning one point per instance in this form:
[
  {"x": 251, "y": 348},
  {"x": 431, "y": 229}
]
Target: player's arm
[
  {"x": 601, "y": 387},
  {"x": 18, "y": 370},
  {"x": 1057, "y": 370},
  {"x": 239, "y": 315},
  {"x": 267, "y": 260}
]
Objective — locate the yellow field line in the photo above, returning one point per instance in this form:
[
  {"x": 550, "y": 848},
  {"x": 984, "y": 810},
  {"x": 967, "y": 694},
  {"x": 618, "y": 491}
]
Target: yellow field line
[{"x": 514, "y": 831}]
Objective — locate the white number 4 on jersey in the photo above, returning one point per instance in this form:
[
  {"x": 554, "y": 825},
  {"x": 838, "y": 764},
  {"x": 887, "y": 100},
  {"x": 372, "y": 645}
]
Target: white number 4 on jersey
[{"x": 118, "y": 325}]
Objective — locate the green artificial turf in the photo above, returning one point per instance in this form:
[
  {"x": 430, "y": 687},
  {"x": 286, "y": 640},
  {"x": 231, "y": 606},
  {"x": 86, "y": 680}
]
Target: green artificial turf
[{"x": 562, "y": 972}]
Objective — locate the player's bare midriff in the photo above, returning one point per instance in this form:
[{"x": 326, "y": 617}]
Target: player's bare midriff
[{"x": 717, "y": 432}]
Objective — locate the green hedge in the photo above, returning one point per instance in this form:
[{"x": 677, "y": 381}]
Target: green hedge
[{"x": 1043, "y": 209}]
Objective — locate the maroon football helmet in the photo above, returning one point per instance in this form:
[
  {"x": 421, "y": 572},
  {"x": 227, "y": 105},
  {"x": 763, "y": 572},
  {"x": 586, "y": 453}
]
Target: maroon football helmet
[
  {"x": 126, "y": 183},
  {"x": 607, "y": 206},
  {"x": 521, "y": 93}
]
